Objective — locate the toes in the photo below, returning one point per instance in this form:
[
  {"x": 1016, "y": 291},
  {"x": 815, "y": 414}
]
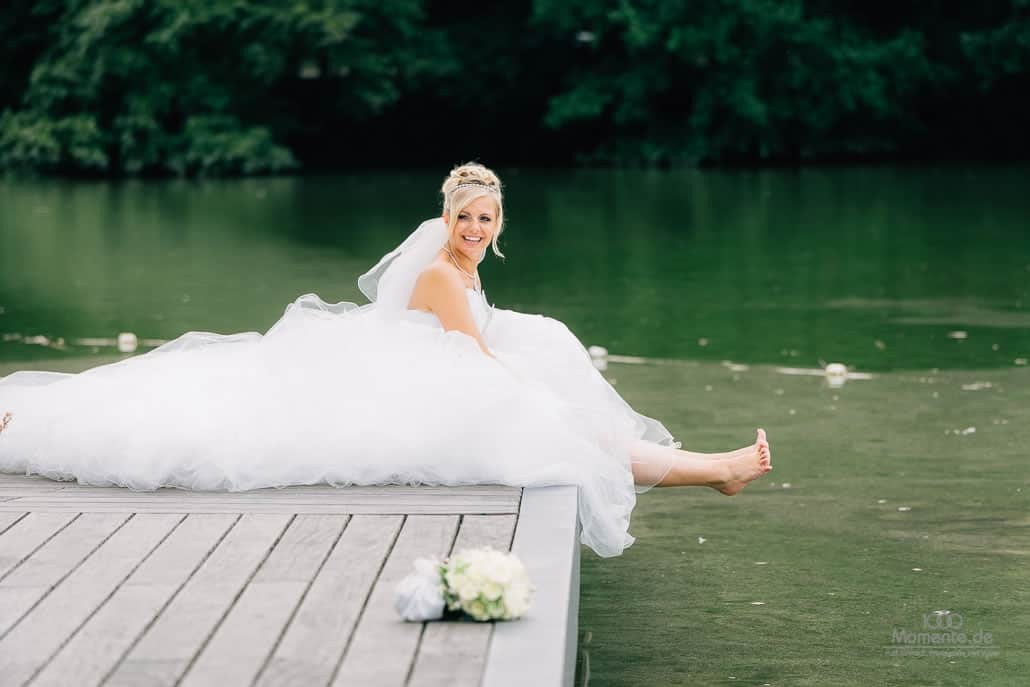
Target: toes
[{"x": 761, "y": 435}]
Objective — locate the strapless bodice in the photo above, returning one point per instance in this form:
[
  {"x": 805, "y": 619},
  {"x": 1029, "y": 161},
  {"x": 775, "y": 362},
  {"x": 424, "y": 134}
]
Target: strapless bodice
[{"x": 477, "y": 302}]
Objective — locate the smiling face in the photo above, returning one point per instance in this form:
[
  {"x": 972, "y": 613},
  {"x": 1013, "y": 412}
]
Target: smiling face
[{"x": 474, "y": 229}]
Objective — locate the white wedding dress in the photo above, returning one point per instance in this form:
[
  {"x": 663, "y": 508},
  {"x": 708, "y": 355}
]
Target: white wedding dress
[{"x": 342, "y": 394}]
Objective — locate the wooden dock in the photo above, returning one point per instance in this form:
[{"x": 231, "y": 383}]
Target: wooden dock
[{"x": 106, "y": 586}]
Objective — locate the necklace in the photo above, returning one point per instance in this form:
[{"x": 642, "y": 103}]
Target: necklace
[{"x": 474, "y": 277}]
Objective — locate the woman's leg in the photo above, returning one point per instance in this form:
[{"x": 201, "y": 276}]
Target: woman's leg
[{"x": 728, "y": 472}]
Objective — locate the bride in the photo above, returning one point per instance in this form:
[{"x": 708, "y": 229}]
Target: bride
[{"x": 427, "y": 384}]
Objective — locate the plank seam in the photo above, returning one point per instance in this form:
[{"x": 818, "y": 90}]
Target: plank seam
[
  {"x": 511, "y": 542},
  {"x": 493, "y": 626},
  {"x": 41, "y": 545},
  {"x": 518, "y": 514},
  {"x": 171, "y": 598},
  {"x": 422, "y": 632},
  {"x": 107, "y": 598},
  {"x": 13, "y": 523},
  {"x": 239, "y": 593},
  {"x": 300, "y": 602},
  {"x": 364, "y": 604},
  {"x": 54, "y": 586}
]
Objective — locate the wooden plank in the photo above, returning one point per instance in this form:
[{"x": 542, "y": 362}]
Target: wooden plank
[
  {"x": 170, "y": 644},
  {"x": 35, "y": 639},
  {"x": 286, "y": 495},
  {"x": 314, "y": 641},
  {"x": 547, "y": 542},
  {"x": 104, "y": 639},
  {"x": 441, "y": 508},
  {"x": 453, "y": 653},
  {"x": 244, "y": 640},
  {"x": 8, "y": 519},
  {"x": 380, "y": 631},
  {"x": 29, "y": 534},
  {"x": 46, "y": 567},
  {"x": 485, "y": 530}
]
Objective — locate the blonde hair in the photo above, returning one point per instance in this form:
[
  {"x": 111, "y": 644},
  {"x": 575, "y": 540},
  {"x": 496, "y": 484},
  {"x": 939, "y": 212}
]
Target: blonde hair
[{"x": 463, "y": 185}]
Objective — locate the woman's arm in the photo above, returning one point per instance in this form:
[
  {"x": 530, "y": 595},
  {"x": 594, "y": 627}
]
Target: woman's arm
[{"x": 441, "y": 290}]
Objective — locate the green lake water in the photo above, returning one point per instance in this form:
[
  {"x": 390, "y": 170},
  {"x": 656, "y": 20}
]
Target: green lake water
[{"x": 891, "y": 497}]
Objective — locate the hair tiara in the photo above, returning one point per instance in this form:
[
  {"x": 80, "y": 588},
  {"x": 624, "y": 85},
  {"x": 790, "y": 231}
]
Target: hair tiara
[{"x": 476, "y": 184}]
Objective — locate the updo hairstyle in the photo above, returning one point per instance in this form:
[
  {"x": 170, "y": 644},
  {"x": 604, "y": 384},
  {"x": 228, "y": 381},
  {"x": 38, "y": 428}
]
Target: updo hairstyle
[{"x": 463, "y": 185}]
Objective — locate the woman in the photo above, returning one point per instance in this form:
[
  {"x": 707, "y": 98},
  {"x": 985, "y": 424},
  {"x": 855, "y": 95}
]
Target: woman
[{"x": 426, "y": 384}]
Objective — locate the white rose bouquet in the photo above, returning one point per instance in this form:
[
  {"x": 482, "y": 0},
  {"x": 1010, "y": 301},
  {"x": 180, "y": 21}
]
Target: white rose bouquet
[{"x": 484, "y": 583}]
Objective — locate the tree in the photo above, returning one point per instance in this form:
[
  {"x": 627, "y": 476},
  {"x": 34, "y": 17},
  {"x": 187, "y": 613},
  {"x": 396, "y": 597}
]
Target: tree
[{"x": 199, "y": 87}]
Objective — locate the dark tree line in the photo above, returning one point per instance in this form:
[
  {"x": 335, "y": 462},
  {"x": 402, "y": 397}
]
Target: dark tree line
[{"x": 193, "y": 87}]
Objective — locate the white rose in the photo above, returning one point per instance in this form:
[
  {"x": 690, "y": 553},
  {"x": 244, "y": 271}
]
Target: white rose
[
  {"x": 468, "y": 591},
  {"x": 492, "y": 591},
  {"x": 477, "y": 609}
]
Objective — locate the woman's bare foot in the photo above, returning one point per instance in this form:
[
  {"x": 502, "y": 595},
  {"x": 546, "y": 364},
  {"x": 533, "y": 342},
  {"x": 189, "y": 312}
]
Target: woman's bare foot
[{"x": 740, "y": 470}]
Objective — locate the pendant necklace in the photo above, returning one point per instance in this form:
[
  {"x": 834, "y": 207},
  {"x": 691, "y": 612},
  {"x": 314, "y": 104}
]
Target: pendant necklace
[{"x": 474, "y": 277}]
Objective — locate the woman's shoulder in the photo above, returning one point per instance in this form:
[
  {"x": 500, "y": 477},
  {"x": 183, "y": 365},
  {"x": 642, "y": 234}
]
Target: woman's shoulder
[
  {"x": 438, "y": 283},
  {"x": 440, "y": 274}
]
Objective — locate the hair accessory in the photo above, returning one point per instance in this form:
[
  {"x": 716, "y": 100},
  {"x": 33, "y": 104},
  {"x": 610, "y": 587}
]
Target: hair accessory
[{"x": 476, "y": 184}]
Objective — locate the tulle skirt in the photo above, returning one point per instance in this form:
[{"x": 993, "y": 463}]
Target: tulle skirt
[{"x": 341, "y": 395}]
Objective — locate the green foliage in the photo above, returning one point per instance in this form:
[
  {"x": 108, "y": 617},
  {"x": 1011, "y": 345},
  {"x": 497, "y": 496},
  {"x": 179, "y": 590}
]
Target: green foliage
[
  {"x": 1001, "y": 51},
  {"x": 207, "y": 87},
  {"x": 191, "y": 86},
  {"x": 732, "y": 79}
]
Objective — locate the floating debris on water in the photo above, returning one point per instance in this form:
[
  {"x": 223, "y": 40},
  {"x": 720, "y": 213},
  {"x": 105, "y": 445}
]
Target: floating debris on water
[
  {"x": 637, "y": 360},
  {"x": 961, "y": 432},
  {"x": 778, "y": 392},
  {"x": 821, "y": 372},
  {"x": 757, "y": 603},
  {"x": 127, "y": 342},
  {"x": 994, "y": 347},
  {"x": 702, "y": 341},
  {"x": 45, "y": 341},
  {"x": 734, "y": 367},
  {"x": 976, "y": 386},
  {"x": 904, "y": 509},
  {"x": 1020, "y": 361},
  {"x": 958, "y": 335},
  {"x": 881, "y": 500},
  {"x": 701, "y": 540},
  {"x": 880, "y": 344},
  {"x": 761, "y": 562},
  {"x": 917, "y": 570},
  {"x": 836, "y": 374},
  {"x": 786, "y": 485}
]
